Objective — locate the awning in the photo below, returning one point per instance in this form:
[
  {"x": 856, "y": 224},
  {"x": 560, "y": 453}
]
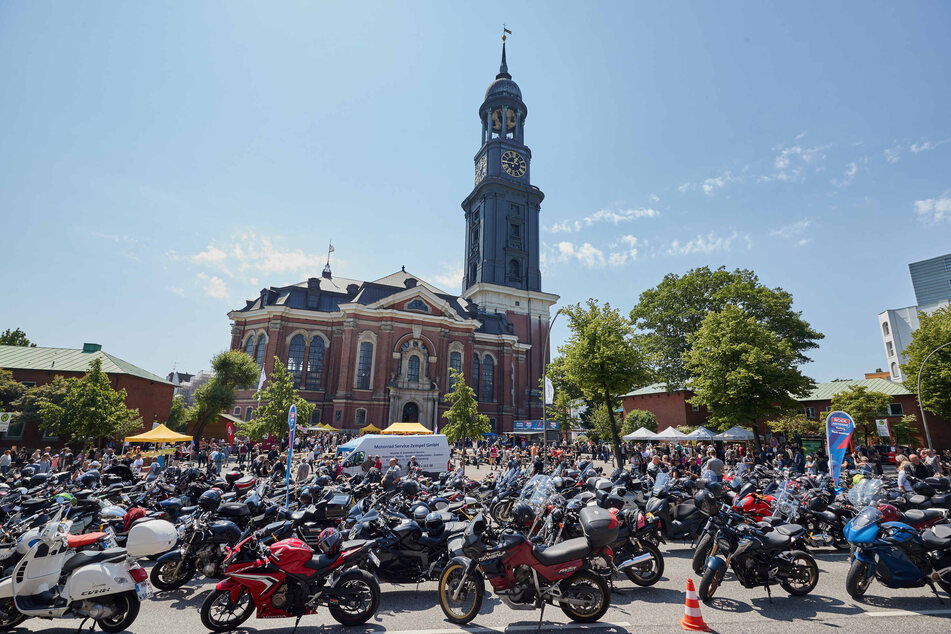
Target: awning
[
  {"x": 701, "y": 433},
  {"x": 671, "y": 433},
  {"x": 326, "y": 427},
  {"x": 406, "y": 428},
  {"x": 641, "y": 434},
  {"x": 159, "y": 434},
  {"x": 370, "y": 429},
  {"x": 735, "y": 433}
]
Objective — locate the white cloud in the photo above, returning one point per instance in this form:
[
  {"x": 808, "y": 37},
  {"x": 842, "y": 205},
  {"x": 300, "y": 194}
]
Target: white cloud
[
  {"x": 625, "y": 250},
  {"x": 793, "y": 232},
  {"x": 588, "y": 255},
  {"x": 934, "y": 209},
  {"x": 177, "y": 290},
  {"x": 250, "y": 255},
  {"x": 850, "y": 171},
  {"x": 710, "y": 185},
  {"x": 924, "y": 146},
  {"x": 893, "y": 154},
  {"x": 211, "y": 255},
  {"x": 792, "y": 161},
  {"x": 449, "y": 281},
  {"x": 615, "y": 216},
  {"x": 214, "y": 286},
  {"x": 654, "y": 198},
  {"x": 706, "y": 245}
]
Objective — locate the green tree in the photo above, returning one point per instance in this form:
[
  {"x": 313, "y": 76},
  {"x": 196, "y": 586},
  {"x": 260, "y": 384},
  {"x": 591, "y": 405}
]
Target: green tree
[
  {"x": 863, "y": 406},
  {"x": 10, "y": 388},
  {"x": 91, "y": 409},
  {"x": 600, "y": 423},
  {"x": 465, "y": 421},
  {"x": 29, "y": 404},
  {"x": 601, "y": 360},
  {"x": 905, "y": 431},
  {"x": 178, "y": 415},
  {"x": 15, "y": 338},
  {"x": 743, "y": 370},
  {"x": 670, "y": 314},
  {"x": 935, "y": 330},
  {"x": 232, "y": 370},
  {"x": 638, "y": 418},
  {"x": 791, "y": 424},
  {"x": 276, "y": 399},
  {"x": 560, "y": 411}
]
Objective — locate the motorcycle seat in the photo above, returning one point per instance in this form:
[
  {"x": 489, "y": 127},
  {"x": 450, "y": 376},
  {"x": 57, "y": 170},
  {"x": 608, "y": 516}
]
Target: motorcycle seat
[
  {"x": 942, "y": 499},
  {"x": 78, "y": 541},
  {"x": 937, "y": 537},
  {"x": 917, "y": 516},
  {"x": 775, "y": 540},
  {"x": 828, "y": 516},
  {"x": 917, "y": 500},
  {"x": 320, "y": 562},
  {"x": 790, "y": 530},
  {"x": 188, "y": 510},
  {"x": 85, "y": 557},
  {"x": 565, "y": 551},
  {"x": 235, "y": 509},
  {"x": 773, "y": 520}
]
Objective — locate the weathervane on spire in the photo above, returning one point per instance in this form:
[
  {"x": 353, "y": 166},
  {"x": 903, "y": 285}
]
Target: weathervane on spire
[
  {"x": 504, "y": 32},
  {"x": 330, "y": 249}
]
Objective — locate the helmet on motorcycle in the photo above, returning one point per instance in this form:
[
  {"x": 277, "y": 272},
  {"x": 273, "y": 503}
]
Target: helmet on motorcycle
[
  {"x": 523, "y": 515},
  {"x": 923, "y": 488},
  {"x": 409, "y": 489},
  {"x": 572, "y": 474},
  {"x": 858, "y": 477},
  {"x": 374, "y": 475},
  {"x": 89, "y": 480},
  {"x": 706, "y": 502},
  {"x": 589, "y": 473},
  {"x": 818, "y": 504},
  {"x": 192, "y": 474},
  {"x": 27, "y": 471},
  {"x": 323, "y": 481},
  {"x": 210, "y": 500},
  {"x": 715, "y": 489},
  {"x": 420, "y": 513},
  {"x": 63, "y": 498},
  {"x": 889, "y": 513},
  {"x": 329, "y": 540},
  {"x": 435, "y": 524},
  {"x": 690, "y": 485}
]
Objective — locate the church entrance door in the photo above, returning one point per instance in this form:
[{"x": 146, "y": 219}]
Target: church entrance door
[{"x": 411, "y": 413}]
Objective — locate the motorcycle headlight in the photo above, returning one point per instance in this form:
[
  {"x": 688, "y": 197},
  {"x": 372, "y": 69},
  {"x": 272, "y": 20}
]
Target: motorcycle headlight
[{"x": 180, "y": 529}]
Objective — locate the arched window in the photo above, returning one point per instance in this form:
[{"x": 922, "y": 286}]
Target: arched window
[
  {"x": 419, "y": 305},
  {"x": 515, "y": 271},
  {"x": 295, "y": 358},
  {"x": 455, "y": 363},
  {"x": 249, "y": 347},
  {"x": 412, "y": 372},
  {"x": 361, "y": 418},
  {"x": 315, "y": 364},
  {"x": 488, "y": 378},
  {"x": 894, "y": 369},
  {"x": 885, "y": 329},
  {"x": 248, "y": 413},
  {"x": 364, "y": 365},
  {"x": 259, "y": 355},
  {"x": 475, "y": 374}
]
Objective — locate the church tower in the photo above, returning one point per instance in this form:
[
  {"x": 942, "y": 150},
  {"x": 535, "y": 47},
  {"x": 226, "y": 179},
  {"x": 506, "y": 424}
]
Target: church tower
[{"x": 501, "y": 247}]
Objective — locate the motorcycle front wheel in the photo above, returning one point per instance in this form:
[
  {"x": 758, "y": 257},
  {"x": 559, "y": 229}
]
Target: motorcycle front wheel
[
  {"x": 463, "y": 609},
  {"x": 590, "y": 589},
  {"x": 10, "y": 617},
  {"x": 857, "y": 581},
  {"x": 169, "y": 575},
  {"x": 649, "y": 572},
  {"x": 709, "y": 583},
  {"x": 805, "y": 571},
  {"x": 220, "y": 614},
  {"x": 358, "y": 594},
  {"x": 704, "y": 550},
  {"x": 126, "y": 606}
]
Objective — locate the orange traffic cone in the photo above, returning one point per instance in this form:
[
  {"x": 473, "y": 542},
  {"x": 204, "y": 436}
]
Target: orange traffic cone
[{"x": 692, "y": 619}]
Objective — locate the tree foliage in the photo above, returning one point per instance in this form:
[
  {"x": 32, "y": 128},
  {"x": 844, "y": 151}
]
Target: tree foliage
[
  {"x": 29, "y": 404},
  {"x": 10, "y": 388},
  {"x": 905, "y": 431},
  {"x": 863, "y": 406},
  {"x": 276, "y": 400},
  {"x": 561, "y": 409},
  {"x": 670, "y": 315},
  {"x": 743, "y": 370},
  {"x": 638, "y": 418},
  {"x": 600, "y": 361},
  {"x": 91, "y": 409},
  {"x": 935, "y": 330},
  {"x": 465, "y": 421},
  {"x": 15, "y": 338},
  {"x": 232, "y": 370},
  {"x": 791, "y": 424},
  {"x": 177, "y": 415}
]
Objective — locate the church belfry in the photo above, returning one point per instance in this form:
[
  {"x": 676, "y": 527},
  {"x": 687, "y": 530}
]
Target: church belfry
[{"x": 502, "y": 242}]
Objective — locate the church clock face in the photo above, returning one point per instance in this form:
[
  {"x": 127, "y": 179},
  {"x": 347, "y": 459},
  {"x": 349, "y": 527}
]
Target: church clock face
[
  {"x": 480, "y": 169},
  {"x": 514, "y": 164}
]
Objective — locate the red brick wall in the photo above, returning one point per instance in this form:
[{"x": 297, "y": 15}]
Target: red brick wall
[{"x": 669, "y": 408}]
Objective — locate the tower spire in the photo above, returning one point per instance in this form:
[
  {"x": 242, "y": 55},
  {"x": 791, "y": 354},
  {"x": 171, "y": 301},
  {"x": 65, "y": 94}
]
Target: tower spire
[{"x": 504, "y": 68}]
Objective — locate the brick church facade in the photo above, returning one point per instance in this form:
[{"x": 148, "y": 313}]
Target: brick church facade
[{"x": 380, "y": 351}]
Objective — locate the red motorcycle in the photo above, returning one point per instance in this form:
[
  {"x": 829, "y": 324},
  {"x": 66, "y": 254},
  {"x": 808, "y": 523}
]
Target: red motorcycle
[
  {"x": 287, "y": 579},
  {"x": 526, "y": 574}
]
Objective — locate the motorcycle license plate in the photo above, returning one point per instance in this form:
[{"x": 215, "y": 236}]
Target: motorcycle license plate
[
  {"x": 374, "y": 559},
  {"x": 144, "y": 590}
]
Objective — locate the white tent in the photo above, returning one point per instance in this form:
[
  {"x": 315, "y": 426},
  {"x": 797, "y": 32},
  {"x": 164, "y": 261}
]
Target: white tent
[
  {"x": 671, "y": 433},
  {"x": 641, "y": 434},
  {"x": 701, "y": 433},
  {"x": 735, "y": 433}
]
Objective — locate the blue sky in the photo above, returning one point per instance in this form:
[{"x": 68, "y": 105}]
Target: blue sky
[{"x": 161, "y": 162}]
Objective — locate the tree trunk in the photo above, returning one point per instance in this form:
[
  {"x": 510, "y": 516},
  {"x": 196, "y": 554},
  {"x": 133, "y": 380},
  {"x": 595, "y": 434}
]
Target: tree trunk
[
  {"x": 756, "y": 442},
  {"x": 615, "y": 439}
]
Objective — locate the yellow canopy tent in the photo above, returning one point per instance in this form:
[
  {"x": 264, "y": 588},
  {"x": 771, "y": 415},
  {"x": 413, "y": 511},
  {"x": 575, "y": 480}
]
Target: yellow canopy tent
[
  {"x": 159, "y": 434},
  {"x": 406, "y": 428},
  {"x": 327, "y": 427},
  {"x": 370, "y": 429}
]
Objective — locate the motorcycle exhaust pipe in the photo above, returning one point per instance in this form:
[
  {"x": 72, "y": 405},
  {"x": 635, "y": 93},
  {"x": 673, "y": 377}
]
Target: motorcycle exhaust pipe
[{"x": 630, "y": 563}]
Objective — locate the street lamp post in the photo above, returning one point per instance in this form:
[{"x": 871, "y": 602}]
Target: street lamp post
[
  {"x": 924, "y": 420},
  {"x": 544, "y": 371}
]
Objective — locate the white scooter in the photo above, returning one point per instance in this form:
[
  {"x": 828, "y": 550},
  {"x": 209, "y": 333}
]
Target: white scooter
[{"x": 53, "y": 580}]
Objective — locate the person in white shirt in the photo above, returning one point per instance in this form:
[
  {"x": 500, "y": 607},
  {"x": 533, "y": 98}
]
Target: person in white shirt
[
  {"x": 904, "y": 483},
  {"x": 137, "y": 464}
]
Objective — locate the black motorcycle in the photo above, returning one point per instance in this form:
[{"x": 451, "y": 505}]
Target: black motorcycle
[
  {"x": 203, "y": 547},
  {"x": 679, "y": 517}
]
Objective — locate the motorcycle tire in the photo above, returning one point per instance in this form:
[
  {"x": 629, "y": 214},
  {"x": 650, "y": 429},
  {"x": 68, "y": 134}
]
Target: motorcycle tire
[
  {"x": 801, "y": 558},
  {"x": 702, "y": 552},
  {"x": 10, "y": 617},
  {"x": 857, "y": 580},
  {"x": 476, "y": 586},
  {"x": 160, "y": 574},
  {"x": 601, "y": 588},
  {"x": 501, "y": 511},
  {"x": 839, "y": 542},
  {"x": 649, "y": 577},
  {"x": 709, "y": 583},
  {"x": 238, "y": 615},
  {"x": 357, "y": 579},
  {"x": 127, "y": 605}
]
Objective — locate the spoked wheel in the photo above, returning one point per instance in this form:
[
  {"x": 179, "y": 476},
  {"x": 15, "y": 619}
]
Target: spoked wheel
[
  {"x": 501, "y": 511},
  {"x": 709, "y": 583},
  {"x": 10, "y": 617},
  {"x": 460, "y": 604},
  {"x": 648, "y": 572},
  {"x": 585, "y": 597},
  {"x": 126, "y": 606},
  {"x": 802, "y": 575},
  {"x": 358, "y": 594},
  {"x": 857, "y": 581},
  {"x": 170, "y": 575},
  {"x": 220, "y": 614}
]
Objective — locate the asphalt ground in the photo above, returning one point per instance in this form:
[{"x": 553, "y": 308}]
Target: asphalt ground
[{"x": 415, "y": 609}]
